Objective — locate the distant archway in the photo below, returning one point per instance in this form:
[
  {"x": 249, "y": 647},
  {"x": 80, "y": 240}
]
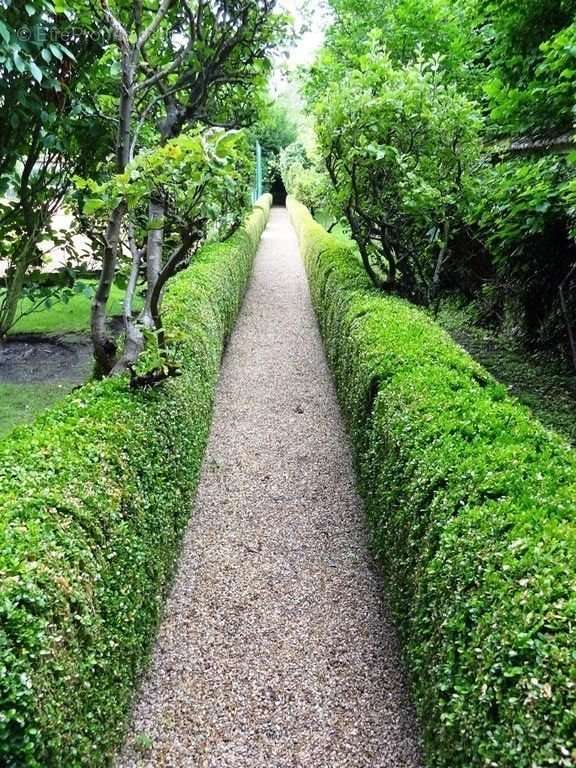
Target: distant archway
[{"x": 278, "y": 191}]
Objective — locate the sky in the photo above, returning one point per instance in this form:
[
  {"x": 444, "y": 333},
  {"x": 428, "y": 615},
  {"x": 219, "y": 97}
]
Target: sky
[
  {"x": 305, "y": 49},
  {"x": 302, "y": 54}
]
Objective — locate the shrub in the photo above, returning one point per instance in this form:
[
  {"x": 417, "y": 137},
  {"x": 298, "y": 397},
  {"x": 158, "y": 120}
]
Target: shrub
[
  {"x": 401, "y": 145},
  {"x": 93, "y": 501},
  {"x": 472, "y": 505}
]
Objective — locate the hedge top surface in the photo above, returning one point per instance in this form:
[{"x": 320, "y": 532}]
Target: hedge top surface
[{"x": 473, "y": 503}]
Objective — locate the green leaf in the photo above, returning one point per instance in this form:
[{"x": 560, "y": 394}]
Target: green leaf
[
  {"x": 18, "y": 62},
  {"x": 68, "y": 53},
  {"x": 4, "y": 32},
  {"x": 92, "y": 205},
  {"x": 36, "y": 72},
  {"x": 56, "y": 51}
]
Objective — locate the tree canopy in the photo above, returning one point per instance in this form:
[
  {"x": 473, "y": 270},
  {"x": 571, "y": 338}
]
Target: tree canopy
[
  {"x": 110, "y": 106},
  {"x": 442, "y": 126}
]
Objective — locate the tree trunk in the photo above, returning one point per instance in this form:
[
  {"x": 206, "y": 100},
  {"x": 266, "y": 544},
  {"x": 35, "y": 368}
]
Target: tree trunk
[
  {"x": 442, "y": 256},
  {"x": 133, "y": 336},
  {"x": 105, "y": 348},
  {"x": 567, "y": 320},
  {"x": 360, "y": 241},
  {"x": 391, "y": 283},
  {"x": 14, "y": 288},
  {"x": 156, "y": 213},
  {"x": 133, "y": 346},
  {"x": 104, "y": 345}
]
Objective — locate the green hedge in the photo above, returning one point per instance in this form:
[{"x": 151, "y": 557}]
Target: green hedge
[
  {"x": 473, "y": 507},
  {"x": 94, "y": 498}
]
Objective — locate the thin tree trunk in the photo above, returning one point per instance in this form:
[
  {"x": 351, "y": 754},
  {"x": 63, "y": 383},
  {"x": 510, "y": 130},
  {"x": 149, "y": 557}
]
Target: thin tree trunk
[
  {"x": 391, "y": 282},
  {"x": 14, "y": 292},
  {"x": 442, "y": 255},
  {"x": 363, "y": 250},
  {"x": 133, "y": 336},
  {"x": 156, "y": 214},
  {"x": 104, "y": 345},
  {"x": 105, "y": 348}
]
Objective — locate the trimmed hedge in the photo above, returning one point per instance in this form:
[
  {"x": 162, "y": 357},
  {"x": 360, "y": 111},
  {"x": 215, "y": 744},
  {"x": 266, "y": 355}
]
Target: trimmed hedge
[
  {"x": 94, "y": 498},
  {"x": 473, "y": 507}
]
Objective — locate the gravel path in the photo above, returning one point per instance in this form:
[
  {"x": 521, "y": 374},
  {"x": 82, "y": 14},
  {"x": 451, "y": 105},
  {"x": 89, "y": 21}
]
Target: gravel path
[{"x": 276, "y": 650}]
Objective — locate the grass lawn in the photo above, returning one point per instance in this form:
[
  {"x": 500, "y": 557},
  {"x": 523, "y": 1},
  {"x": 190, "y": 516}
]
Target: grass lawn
[
  {"x": 73, "y": 317},
  {"x": 21, "y": 402}
]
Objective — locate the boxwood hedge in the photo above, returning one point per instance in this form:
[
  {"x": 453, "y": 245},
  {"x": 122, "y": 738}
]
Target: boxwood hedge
[
  {"x": 93, "y": 501},
  {"x": 473, "y": 507}
]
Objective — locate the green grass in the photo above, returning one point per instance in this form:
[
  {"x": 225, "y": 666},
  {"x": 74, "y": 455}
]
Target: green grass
[
  {"x": 73, "y": 317},
  {"x": 548, "y": 390},
  {"x": 21, "y": 402}
]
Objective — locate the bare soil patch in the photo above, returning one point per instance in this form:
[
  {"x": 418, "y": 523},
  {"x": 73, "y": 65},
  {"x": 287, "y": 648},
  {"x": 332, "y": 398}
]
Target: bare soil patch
[{"x": 30, "y": 358}]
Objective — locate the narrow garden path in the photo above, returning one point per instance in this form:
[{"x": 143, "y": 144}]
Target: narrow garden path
[{"x": 276, "y": 650}]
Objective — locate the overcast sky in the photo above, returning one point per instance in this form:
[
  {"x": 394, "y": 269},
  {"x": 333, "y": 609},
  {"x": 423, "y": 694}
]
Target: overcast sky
[{"x": 305, "y": 49}]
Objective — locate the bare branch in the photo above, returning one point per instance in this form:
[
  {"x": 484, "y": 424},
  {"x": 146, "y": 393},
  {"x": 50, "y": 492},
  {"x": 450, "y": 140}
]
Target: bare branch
[
  {"x": 118, "y": 29},
  {"x": 154, "y": 24}
]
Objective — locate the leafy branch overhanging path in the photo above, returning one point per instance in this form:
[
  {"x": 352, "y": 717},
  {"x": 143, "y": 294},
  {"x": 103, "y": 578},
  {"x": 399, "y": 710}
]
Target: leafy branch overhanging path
[{"x": 276, "y": 650}]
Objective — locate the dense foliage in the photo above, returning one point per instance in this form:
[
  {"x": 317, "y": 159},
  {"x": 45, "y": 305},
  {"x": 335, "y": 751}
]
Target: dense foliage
[
  {"x": 471, "y": 501},
  {"x": 481, "y": 142},
  {"x": 304, "y": 178},
  {"x": 530, "y": 84},
  {"x": 93, "y": 501},
  {"x": 276, "y": 129},
  {"x": 532, "y": 248},
  {"x": 50, "y": 119}
]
